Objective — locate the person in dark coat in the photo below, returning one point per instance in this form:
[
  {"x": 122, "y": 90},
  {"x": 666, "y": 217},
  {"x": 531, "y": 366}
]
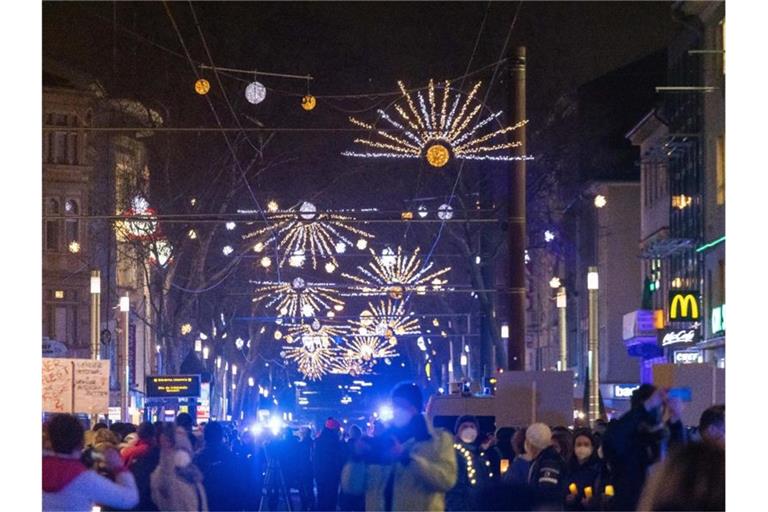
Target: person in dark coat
[
  {"x": 584, "y": 470},
  {"x": 222, "y": 474},
  {"x": 304, "y": 473},
  {"x": 142, "y": 467},
  {"x": 638, "y": 440},
  {"x": 471, "y": 475},
  {"x": 546, "y": 476},
  {"x": 328, "y": 463},
  {"x": 349, "y": 502},
  {"x": 517, "y": 474}
]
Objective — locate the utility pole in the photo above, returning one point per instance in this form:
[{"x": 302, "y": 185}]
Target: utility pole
[{"x": 516, "y": 221}]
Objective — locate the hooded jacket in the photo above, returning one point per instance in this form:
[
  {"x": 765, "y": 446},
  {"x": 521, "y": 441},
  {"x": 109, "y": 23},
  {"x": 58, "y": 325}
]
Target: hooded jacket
[
  {"x": 69, "y": 485},
  {"x": 417, "y": 481}
]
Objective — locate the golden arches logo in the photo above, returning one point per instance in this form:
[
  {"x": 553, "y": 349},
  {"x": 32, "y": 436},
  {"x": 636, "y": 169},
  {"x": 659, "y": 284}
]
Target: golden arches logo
[{"x": 683, "y": 306}]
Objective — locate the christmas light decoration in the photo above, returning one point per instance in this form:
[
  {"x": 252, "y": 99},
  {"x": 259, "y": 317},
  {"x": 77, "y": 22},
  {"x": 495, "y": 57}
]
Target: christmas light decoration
[
  {"x": 74, "y": 247},
  {"x": 186, "y": 329},
  {"x": 255, "y": 92},
  {"x": 266, "y": 262},
  {"x": 467, "y": 455},
  {"x": 445, "y": 212},
  {"x": 161, "y": 252},
  {"x": 308, "y": 102},
  {"x": 303, "y": 231},
  {"x": 393, "y": 274},
  {"x": 230, "y": 226},
  {"x": 316, "y": 353},
  {"x": 423, "y": 211},
  {"x": 387, "y": 320},
  {"x": 227, "y": 250},
  {"x": 295, "y": 297},
  {"x": 202, "y": 86},
  {"x": 369, "y": 348},
  {"x": 440, "y": 129},
  {"x": 600, "y": 201}
]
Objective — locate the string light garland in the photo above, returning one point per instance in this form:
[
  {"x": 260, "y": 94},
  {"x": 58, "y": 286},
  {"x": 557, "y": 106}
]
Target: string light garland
[
  {"x": 305, "y": 231},
  {"x": 468, "y": 461},
  {"x": 440, "y": 128},
  {"x": 313, "y": 349},
  {"x": 395, "y": 274},
  {"x": 369, "y": 348},
  {"x": 298, "y": 297}
]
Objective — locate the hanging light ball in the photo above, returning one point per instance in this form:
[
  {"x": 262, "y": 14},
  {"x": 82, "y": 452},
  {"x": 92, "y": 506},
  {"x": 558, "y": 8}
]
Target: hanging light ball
[
  {"x": 437, "y": 155},
  {"x": 308, "y": 102},
  {"x": 255, "y": 92},
  {"x": 445, "y": 212},
  {"x": 202, "y": 86}
]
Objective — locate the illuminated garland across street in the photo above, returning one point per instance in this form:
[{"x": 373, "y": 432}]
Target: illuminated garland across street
[
  {"x": 445, "y": 125},
  {"x": 395, "y": 274},
  {"x": 315, "y": 351},
  {"x": 304, "y": 231},
  {"x": 369, "y": 348},
  {"x": 298, "y": 298}
]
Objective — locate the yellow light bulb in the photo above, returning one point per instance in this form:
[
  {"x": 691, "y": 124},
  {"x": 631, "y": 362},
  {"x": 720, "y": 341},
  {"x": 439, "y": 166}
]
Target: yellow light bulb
[
  {"x": 202, "y": 86},
  {"x": 438, "y": 155}
]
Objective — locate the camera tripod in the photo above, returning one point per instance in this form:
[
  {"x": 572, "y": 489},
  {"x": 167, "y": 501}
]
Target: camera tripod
[{"x": 274, "y": 486}]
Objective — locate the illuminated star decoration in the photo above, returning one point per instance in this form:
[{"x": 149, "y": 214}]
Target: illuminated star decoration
[
  {"x": 369, "y": 348},
  {"x": 304, "y": 231},
  {"x": 297, "y": 298},
  {"x": 435, "y": 132},
  {"x": 394, "y": 274},
  {"x": 313, "y": 349},
  {"x": 387, "y": 320}
]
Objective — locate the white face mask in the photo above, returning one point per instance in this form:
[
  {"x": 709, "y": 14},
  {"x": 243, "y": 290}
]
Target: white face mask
[
  {"x": 400, "y": 417},
  {"x": 582, "y": 452},
  {"x": 181, "y": 458},
  {"x": 468, "y": 435}
]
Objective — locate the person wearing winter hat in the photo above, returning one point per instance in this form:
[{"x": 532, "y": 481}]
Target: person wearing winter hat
[
  {"x": 584, "y": 470},
  {"x": 471, "y": 475},
  {"x": 69, "y": 485},
  {"x": 418, "y": 465},
  {"x": 328, "y": 462},
  {"x": 547, "y": 474}
]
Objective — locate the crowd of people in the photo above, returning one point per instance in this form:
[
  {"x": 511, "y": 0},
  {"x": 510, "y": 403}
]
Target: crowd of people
[{"x": 645, "y": 460}]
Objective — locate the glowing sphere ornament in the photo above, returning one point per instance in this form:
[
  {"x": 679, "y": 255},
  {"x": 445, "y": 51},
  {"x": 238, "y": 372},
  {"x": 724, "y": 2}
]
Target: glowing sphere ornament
[
  {"x": 74, "y": 247},
  {"x": 308, "y": 102},
  {"x": 445, "y": 212},
  {"x": 437, "y": 155},
  {"x": 255, "y": 93},
  {"x": 202, "y": 86}
]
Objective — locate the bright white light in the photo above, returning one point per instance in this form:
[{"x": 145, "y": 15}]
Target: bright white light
[
  {"x": 74, "y": 247},
  {"x": 297, "y": 259},
  {"x": 423, "y": 211},
  {"x": 600, "y": 200},
  {"x": 308, "y": 211},
  {"x": 463, "y": 360},
  {"x": 341, "y": 247},
  {"x": 251, "y": 382},
  {"x": 548, "y": 236},
  {"x": 203, "y": 336},
  {"x": 466, "y": 349},
  {"x": 257, "y": 428},
  {"x": 330, "y": 314},
  {"x": 275, "y": 424},
  {"x": 206, "y": 352},
  {"x": 388, "y": 257},
  {"x": 362, "y": 244},
  {"x": 592, "y": 280},
  {"x": 330, "y": 267},
  {"x": 445, "y": 212},
  {"x": 218, "y": 362},
  {"x": 239, "y": 342},
  {"x": 255, "y": 92},
  {"x": 95, "y": 284},
  {"x": 234, "y": 369},
  {"x": 198, "y": 345},
  {"x": 125, "y": 304},
  {"x": 561, "y": 298},
  {"x": 139, "y": 205},
  {"x": 386, "y": 413},
  {"x": 338, "y": 307},
  {"x": 477, "y": 260},
  {"x": 554, "y": 282},
  {"x": 505, "y": 331},
  {"x": 227, "y": 250},
  {"x": 258, "y": 247},
  {"x": 278, "y": 335},
  {"x": 192, "y": 234},
  {"x": 306, "y": 310},
  {"x": 272, "y": 206},
  {"x": 230, "y": 225},
  {"x": 527, "y": 256},
  {"x": 266, "y": 262}
]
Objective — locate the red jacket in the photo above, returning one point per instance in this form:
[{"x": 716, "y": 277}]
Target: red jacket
[{"x": 130, "y": 453}]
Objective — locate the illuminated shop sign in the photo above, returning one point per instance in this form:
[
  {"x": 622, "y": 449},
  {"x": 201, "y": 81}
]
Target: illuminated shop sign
[
  {"x": 683, "y": 336},
  {"x": 173, "y": 386},
  {"x": 624, "y": 390},
  {"x": 687, "y": 356},
  {"x": 684, "y": 305},
  {"x": 718, "y": 319}
]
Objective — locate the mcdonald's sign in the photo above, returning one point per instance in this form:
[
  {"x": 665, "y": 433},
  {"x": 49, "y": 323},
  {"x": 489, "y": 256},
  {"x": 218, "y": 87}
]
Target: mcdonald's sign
[{"x": 684, "y": 305}]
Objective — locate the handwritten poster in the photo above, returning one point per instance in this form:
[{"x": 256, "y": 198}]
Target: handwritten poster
[{"x": 76, "y": 385}]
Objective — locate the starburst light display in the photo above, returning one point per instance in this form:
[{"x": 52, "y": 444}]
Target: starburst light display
[
  {"x": 395, "y": 275},
  {"x": 313, "y": 348},
  {"x": 370, "y": 348},
  {"x": 303, "y": 231},
  {"x": 447, "y": 124},
  {"x": 297, "y": 297},
  {"x": 387, "y": 320}
]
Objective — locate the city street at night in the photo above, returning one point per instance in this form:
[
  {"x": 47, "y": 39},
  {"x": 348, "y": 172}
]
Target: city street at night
[{"x": 386, "y": 256}]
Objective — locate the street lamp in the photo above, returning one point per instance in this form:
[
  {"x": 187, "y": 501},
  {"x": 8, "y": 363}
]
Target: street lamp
[
  {"x": 554, "y": 282},
  {"x": 600, "y": 201},
  {"x": 95, "y": 313},
  {"x": 593, "y": 348},
  {"x": 561, "y": 305},
  {"x": 124, "y": 364}
]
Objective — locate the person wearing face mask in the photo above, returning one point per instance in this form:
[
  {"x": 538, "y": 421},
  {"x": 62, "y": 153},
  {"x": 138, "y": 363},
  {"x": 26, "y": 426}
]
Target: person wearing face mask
[
  {"x": 410, "y": 466},
  {"x": 471, "y": 475},
  {"x": 584, "y": 470},
  {"x": 176, "y": 483}
]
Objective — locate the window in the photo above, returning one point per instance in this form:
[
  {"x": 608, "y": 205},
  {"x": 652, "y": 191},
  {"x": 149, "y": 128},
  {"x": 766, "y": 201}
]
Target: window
[
  {"x": 52, "y": 226},
  {"x": 72, "y": 225},
  {"x": 720, "y": 170},
  {"x": 62, "y": 146}
]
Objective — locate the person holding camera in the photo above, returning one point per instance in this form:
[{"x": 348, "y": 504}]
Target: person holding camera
[
  {"x": 639, "y": 439},
  {"x": 410, "y": 466}
]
